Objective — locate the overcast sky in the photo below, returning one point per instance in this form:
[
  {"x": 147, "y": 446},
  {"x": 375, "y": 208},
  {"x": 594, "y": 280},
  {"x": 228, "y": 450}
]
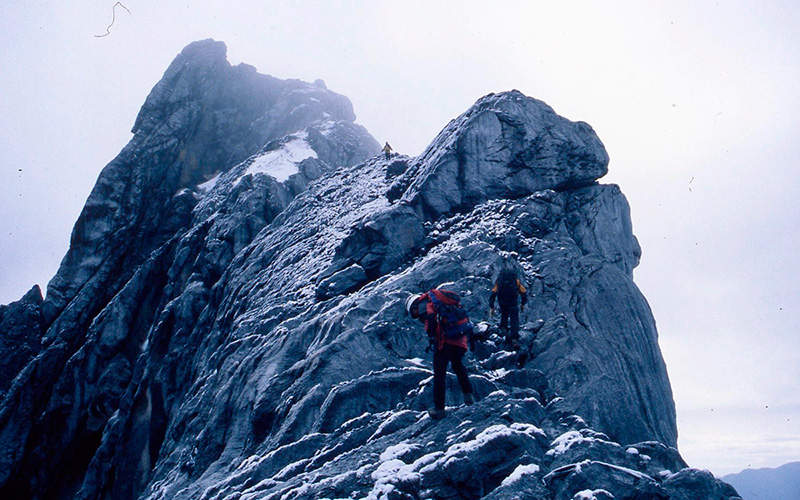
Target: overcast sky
[{"x": 696, "y": 102}]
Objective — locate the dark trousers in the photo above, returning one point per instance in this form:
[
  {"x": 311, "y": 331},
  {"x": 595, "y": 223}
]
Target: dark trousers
[
  {"x": 454, "y": 355},
  {"x": 510, "y": 314}
]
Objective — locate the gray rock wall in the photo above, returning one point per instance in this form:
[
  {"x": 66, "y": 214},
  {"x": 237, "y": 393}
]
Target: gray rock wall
[
  {"x": 22, "y": 327},
  {"x": 218, "y": 333},
  {"x": 151, "y": 232}
]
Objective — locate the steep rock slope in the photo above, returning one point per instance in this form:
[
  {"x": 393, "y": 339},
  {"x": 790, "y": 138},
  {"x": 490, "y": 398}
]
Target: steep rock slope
[
  {"x": 205, "y": 119},
  {"x": 261, "y": 349}
]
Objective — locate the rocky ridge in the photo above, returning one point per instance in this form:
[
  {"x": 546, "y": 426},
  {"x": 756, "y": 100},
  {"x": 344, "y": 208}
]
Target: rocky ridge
[{"x": 232, "y": 327}]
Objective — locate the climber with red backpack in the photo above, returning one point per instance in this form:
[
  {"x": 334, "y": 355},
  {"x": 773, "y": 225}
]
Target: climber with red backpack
[
  {"x": 448, "y": 329},
  {"x": 512, "y": 297}
]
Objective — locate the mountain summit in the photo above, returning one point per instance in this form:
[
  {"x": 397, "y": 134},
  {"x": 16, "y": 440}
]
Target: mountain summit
[{"x": 229, "y": 321}]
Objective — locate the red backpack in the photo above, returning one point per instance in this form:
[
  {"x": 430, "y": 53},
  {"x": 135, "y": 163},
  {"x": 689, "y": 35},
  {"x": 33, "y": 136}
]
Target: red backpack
[{"x": 450, "y": 314}]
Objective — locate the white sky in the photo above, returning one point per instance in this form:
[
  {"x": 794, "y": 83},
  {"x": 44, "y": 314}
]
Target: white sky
[{"x": 696, "y": 102}]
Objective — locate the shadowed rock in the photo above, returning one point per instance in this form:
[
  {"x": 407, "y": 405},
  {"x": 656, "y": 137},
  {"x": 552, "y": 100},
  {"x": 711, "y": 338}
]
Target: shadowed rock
[{"x": 22, "y": 328}]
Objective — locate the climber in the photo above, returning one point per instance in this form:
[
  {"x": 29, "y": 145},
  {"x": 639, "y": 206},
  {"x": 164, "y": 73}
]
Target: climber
[
  {"x": 448, "y": 329},
  {"x": 508, "y": 289},
  {"x": 387, "y": 150}
]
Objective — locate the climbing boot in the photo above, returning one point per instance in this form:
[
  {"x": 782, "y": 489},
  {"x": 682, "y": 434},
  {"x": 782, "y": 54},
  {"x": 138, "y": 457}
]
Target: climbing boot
[
  {"x": 469, "y": 398},
  {"x": 437, "y": 414},
  {"x": 513, "y": 344}
]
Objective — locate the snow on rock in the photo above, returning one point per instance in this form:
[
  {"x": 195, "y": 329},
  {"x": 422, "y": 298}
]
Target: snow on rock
[
  {"x": 593, "y": 495},
  {"x": 565, "y": 441},
  {"x": 528, "y": 429},
  {"x": 281, "y": 163},
  {"x": 520, "y": 471},
  {"x": 209, "y": 184},
  {"x": 397, "y": 450}
]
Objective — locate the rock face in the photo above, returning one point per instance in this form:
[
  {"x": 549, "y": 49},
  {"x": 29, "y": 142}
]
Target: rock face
[
  {"x": 22, "y": 328},
  {"x": 229, "y": 320}
]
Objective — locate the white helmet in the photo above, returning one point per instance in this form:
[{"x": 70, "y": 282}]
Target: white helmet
[{"x": 410, "y": 301}]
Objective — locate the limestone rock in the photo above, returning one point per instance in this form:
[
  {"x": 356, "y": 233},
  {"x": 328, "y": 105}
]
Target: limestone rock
[
  {"x": 229, "y": 320},
  {"x": 200, "y": 178},
  {"x": 506, "y": 145},
  {"x": 22, "y": 328},
  {"x": 344, "y": 281}
]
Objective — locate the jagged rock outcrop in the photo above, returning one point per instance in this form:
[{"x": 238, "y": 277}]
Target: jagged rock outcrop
[
  {"x": 149, "y": 233},
  {"x": 22, "y": 328},
  {"x": 504, "y": 146},
  {"x": 203, "y": 117},
  {"x": 254, "y": 344}
]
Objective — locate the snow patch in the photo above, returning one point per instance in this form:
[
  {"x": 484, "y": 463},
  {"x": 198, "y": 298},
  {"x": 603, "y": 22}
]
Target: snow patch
[
  {"x": 281, "y": 163},
  {"x": 497, "y": 374},
  {"x": 481, "y": 439},
  {"x": 347, "y": 423},
  {"x": 591, "y": 494},
  {"x": 565, "y": 441},
  {"x": 458, "y": 450},
  {"x": 209, "y": 184},
  {"x": 326, "y": 127},
  {"x": 394, "y": 471},
  {"x": 498, "y": 393},
  {"x": 528, "y": 429},
  {"x": 397, "y": 451},
  {"x": 520, "y": 471}
]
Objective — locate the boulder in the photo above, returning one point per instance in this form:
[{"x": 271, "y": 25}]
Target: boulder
[{"x": 506, "y": 145}]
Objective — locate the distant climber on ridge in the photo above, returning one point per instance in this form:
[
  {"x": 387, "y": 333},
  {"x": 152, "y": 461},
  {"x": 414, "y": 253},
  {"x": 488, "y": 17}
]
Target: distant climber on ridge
[
  {"x": 387, "y": 150},
  {"x": 448, "y": 328},
  {"x": 508, "y": 290}
]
